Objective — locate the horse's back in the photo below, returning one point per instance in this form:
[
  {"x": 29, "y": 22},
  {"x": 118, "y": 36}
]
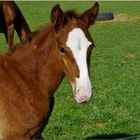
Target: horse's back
[
  {"x": 7, "y": 14},
  {"x": 9, "y": 9}
]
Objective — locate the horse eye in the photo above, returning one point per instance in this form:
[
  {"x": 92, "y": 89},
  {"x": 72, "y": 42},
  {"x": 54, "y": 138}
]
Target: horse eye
[{"x": 62, "y": 50}]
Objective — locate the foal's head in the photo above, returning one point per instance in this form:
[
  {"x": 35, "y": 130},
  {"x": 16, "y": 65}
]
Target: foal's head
[{"x": 75, "y": 44}]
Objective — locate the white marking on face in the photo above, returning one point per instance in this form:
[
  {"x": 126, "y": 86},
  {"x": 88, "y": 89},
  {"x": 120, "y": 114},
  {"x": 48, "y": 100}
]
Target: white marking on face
[{"x": 78, "y": 44}]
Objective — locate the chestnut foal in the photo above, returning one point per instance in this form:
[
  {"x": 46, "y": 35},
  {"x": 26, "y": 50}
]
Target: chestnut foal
[
  {"x": 11, "y": 18},
  {"x": 37, "y": 69}
]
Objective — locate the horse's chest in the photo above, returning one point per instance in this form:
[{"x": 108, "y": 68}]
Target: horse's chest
[
  {"x": 28, "y": 114},
  {"x": 2, "y": 120},
  {"x": 1, "y": 128}
]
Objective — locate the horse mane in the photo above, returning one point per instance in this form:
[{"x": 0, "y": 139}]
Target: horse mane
[
  {"x": 35, "y": 41},
  {"x": 40, "y": 35},
  {"x": 71, "y": 14}
]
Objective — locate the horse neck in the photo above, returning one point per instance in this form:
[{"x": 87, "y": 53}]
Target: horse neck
[
  {"x": 41, "y": 63},
  {"x": 51, "y": 73}
]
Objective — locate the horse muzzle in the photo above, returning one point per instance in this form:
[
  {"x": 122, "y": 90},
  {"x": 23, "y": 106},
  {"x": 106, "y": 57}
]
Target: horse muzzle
[{"x": 83, "y": 95}]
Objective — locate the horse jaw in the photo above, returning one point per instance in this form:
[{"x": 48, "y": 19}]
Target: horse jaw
[{"x": 78, "y": 44}]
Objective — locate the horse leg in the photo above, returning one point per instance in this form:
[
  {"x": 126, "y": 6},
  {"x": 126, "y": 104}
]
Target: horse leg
[{"x": 10, "y": 34}]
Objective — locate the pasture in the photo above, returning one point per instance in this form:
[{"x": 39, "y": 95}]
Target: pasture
[{"x": 114, "y": 109}]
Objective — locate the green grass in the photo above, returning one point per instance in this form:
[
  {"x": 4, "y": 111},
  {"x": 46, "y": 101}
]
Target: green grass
[{"x": 115, "y": 75}]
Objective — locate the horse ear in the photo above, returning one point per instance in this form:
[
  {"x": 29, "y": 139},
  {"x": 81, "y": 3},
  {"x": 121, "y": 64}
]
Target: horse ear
[
  {"x": 57, "y": 17},
  {"x": 90, "y": 15}
]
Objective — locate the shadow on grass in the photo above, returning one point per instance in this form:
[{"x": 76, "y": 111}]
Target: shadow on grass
[{"x": 121, "y": 136}]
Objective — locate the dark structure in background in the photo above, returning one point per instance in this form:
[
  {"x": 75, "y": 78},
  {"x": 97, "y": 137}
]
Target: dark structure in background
[{"x": 12, "y": 19}]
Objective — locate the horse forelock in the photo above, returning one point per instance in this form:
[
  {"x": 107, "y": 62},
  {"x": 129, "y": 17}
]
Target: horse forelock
[{"x": 71, "y": 14}]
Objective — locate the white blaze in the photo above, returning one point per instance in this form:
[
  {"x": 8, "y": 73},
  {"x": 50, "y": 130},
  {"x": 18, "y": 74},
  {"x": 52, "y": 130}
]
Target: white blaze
[{"x": 78, "y": 43}]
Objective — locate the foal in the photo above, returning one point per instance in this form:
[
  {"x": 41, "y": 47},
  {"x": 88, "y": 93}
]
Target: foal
[
  {"x": 11, "y": 18},
  {"x": 37, "y": 69}
]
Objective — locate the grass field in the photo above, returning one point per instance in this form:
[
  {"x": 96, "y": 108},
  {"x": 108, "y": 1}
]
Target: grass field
[{"x": 114, "y": 109}]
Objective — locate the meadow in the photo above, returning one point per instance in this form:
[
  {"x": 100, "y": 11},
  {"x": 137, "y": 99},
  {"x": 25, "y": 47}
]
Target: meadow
[{"x": 114, "y": 109}]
